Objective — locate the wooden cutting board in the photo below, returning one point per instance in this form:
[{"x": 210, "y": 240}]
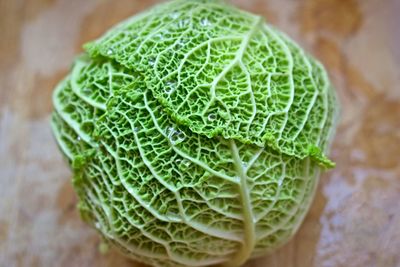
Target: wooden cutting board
[{"x": 355, "y": 218}]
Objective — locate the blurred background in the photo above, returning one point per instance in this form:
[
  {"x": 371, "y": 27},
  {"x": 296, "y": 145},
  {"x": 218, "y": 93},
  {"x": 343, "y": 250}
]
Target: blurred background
[{"x": 355, "y": 217}]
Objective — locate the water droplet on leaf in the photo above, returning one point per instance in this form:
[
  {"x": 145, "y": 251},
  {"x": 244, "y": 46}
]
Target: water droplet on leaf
[
  {"x": 110, "y": 51},
  {"x": 175, "y": 136},
  {"x": 211, "y": 117},
  {"x": 183, "y": 23},
  {"x": 174, "y": 15},
  {"x": 205, "y": 22},
  {"x": 170, "y": 87}
]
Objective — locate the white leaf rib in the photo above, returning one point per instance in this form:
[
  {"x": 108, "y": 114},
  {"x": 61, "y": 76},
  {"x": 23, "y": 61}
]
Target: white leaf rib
[
  {"x": 184, "y": 155},
  {"x": 249, "y": 238},
  {"x": 218, "y": 210},
  {"x": 66, "y": 118},
  {"x": 143, "y": 156},
  {"x": 154, "y": 30},
  {"x": 254, "y": 158},
  {"x": 289, "y": 57},
  {"x": 292, "y": 213},
  {"x": 285, "y": 111},
  {"x": 325, "y": 99},
  {"x": 76, "y": 70},
  {"x": 160, "y": 180},
  {"x": 108, "y": 216},
  {"x": 172, "y": 256},
  {"x": 311, "y": 76},
  {"x": 115, "y": 237},
  {"x": 186, "y": 57},
  {"x": 238, "y": 57},
  {"x": 278, "y": 191},
  {"x": 58, "y": 136},
  {"x": 252, "y": 98},
  {"x": 200, "y": 227},
  {"x": 131, "y": 191}
]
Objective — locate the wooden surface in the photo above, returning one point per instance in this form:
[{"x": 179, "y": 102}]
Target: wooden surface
[{"x": 355, "y": 218}]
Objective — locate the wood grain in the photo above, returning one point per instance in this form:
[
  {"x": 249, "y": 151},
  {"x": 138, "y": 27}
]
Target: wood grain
[{"x": 355, "y": 218}]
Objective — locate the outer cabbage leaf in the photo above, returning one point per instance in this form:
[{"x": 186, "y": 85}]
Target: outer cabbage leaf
[
  {"x": 224, "y": 72},
  {"x": 168, "y": 196}
]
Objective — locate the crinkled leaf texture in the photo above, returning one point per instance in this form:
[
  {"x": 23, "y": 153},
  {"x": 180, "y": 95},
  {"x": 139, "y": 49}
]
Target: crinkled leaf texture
[{"x": 196, "y": 133}]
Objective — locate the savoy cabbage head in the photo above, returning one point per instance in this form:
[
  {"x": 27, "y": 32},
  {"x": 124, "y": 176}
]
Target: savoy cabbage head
[{"x": 196, "y": 133}]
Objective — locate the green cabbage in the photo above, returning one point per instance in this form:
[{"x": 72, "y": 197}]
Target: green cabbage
[{"x": 196, "y": 133}]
